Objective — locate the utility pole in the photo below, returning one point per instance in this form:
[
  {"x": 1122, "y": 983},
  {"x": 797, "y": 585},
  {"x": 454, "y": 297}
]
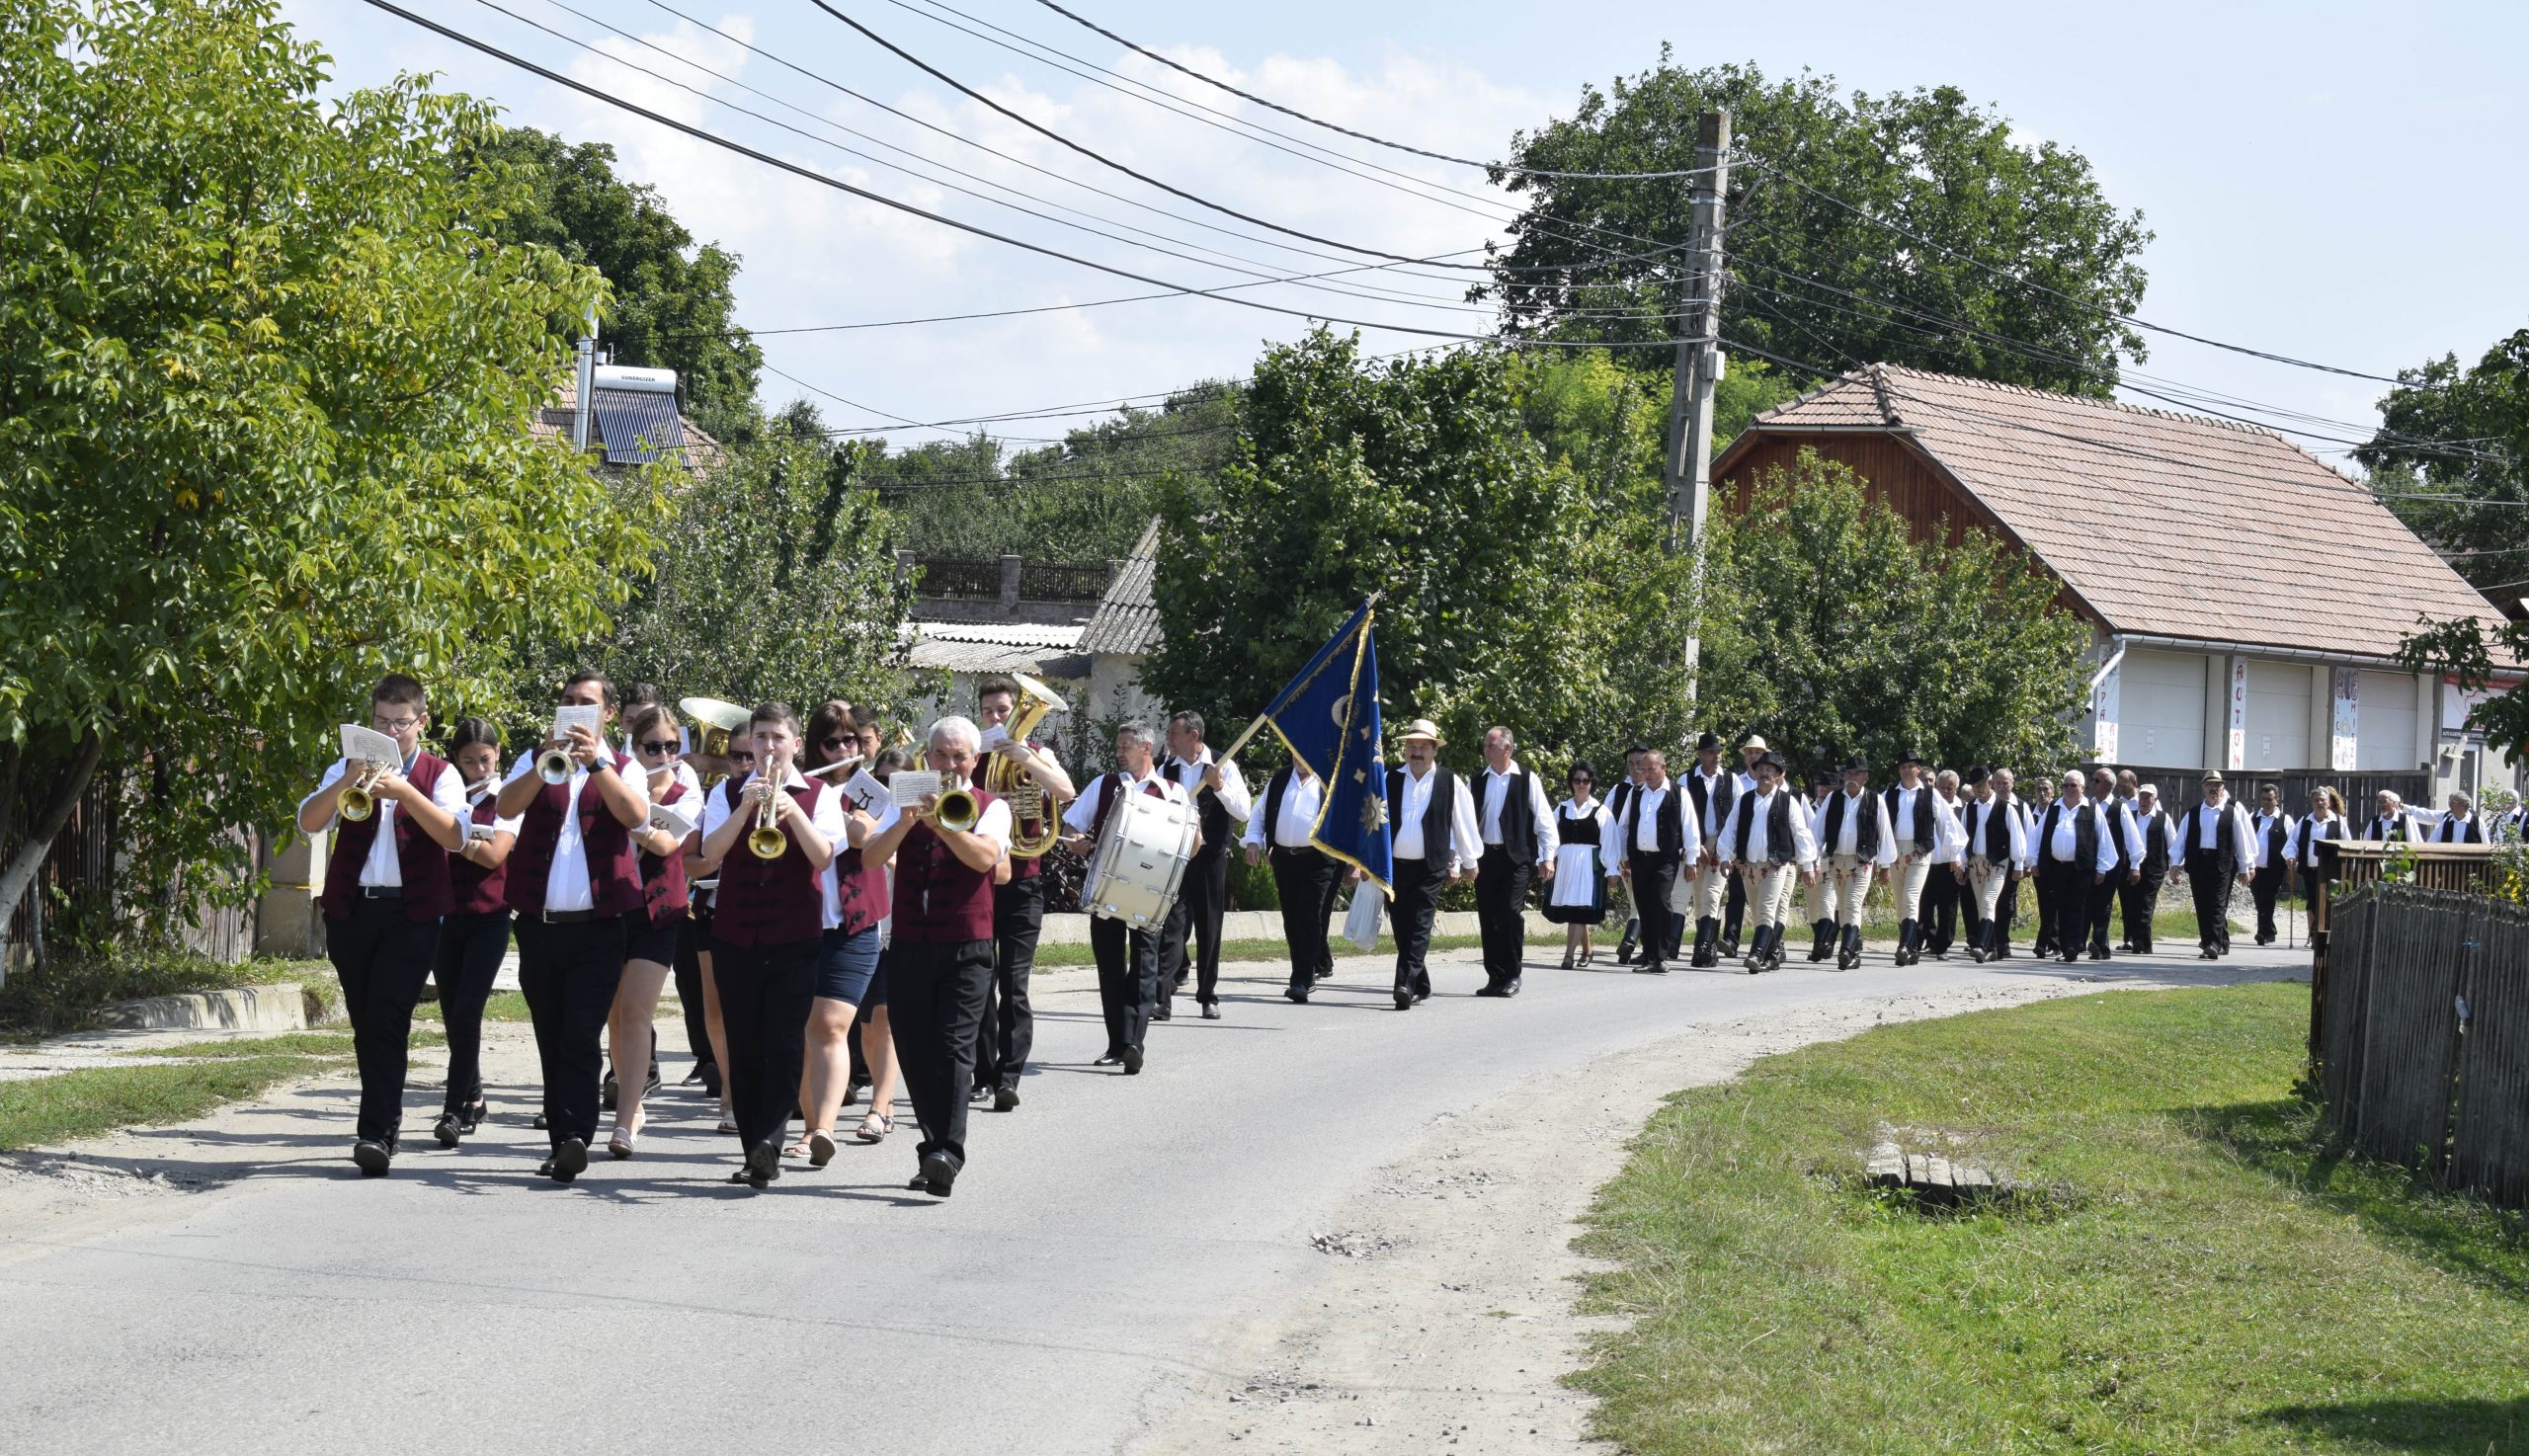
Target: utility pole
[{"x": 1699, "y": 361}]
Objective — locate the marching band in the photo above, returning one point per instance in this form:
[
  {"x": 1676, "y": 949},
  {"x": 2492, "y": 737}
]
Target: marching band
[{"x": 836, "y": 914}]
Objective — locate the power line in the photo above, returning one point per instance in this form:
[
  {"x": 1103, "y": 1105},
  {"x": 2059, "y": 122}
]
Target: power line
[{"x": 1276, "y": 105}]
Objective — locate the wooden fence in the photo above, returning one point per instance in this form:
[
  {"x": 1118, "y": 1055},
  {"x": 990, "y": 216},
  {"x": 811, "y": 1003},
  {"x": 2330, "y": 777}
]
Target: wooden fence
[
  {"x": 85, "y": 859},
  {"x": 2422, "y": 1034}
]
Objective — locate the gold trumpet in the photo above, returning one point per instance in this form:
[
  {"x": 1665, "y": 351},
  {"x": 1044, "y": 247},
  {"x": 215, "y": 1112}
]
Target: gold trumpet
[
  {"x": 360, "y": 796},
  {"x": 767, "y": 841},
  {"x": 721, "y": 721},
  {"x": 956, "y": 808}
]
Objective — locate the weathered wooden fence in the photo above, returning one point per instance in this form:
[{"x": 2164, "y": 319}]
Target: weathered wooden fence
[
  {"x": 85, "y": 859},
  {"x": 2423, "y": 1054}
]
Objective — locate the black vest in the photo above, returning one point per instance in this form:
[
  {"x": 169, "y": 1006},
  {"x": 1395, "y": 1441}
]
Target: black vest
[
  {"x": 1518, "y": 819},
  {"x": 1669, "y": 823},
  {"x": 1274, "y": 791},
  {"x": 2084, "y": 834},
  {"x": 1993, "y": 838},
  {"x": 2114, "y": 826},
  {"x": 1921, "y": 831},
  {"x": 1865, "y": 833},
  {"x": 2473, "y": 834},
  {"x": 2156, "y": 844},
  {"x": 2397, "y": 827},
  {"x": 2274, "y": 841},
  {"x": 1723, "y": 795},
  {"x": 2225, "y": 850},
  {"x": 1780, "y": 846},
  {"x": 1436, "y": 814},
  {"x": 1209, "y": 810},
  {"x": 2305, "y": 837}
]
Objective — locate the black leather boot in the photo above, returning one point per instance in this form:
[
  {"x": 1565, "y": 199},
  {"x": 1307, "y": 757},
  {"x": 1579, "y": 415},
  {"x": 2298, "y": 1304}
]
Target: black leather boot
[
  {"x": 1822, "y": 939},
  {"x": 1910, "y": 939},
  {"x": 1848, "y": 954},
  {"x": 1707, "y": 931}
]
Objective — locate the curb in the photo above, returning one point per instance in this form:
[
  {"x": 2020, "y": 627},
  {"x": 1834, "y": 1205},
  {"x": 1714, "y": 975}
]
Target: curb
[{"x": 278, "y": 1008}]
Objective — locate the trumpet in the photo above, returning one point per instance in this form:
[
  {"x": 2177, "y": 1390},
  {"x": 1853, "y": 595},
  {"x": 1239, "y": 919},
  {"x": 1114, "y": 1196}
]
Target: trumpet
[
  {"x": 956, "y": 808},
  {"x": 554, "y": 766},
  {"x": 360, "y": 798},
  {"x": 767, "y": 841}
]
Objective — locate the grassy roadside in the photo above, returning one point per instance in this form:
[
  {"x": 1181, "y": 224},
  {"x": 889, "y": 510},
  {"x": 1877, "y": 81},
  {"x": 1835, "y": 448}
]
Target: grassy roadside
[
  {"x": 69, "y": 992},
  {"x": 2205, "y": 1276},
  {"x": 46, "y": 1110}
]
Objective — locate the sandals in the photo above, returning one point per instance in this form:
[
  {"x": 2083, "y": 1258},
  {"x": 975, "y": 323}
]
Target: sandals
[
  {"x": 620, "y": 1144},
  {"x": 874, "y": 1127},
  {"x": 1567, "y": 960},
  {"x": 820, "y": 1147}
]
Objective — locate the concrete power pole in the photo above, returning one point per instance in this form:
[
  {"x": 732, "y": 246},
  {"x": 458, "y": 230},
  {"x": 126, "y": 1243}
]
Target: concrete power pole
[{"x": 1699, "y": 361}]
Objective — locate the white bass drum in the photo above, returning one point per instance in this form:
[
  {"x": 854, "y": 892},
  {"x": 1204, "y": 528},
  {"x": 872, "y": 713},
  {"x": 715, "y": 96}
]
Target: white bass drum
[{"x": 1142, "y": 861}]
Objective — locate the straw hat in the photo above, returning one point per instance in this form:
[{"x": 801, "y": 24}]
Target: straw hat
[{"x": 1423, "y": 728}]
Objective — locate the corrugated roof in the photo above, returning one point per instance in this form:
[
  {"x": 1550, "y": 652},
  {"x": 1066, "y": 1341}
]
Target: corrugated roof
[
  {"x": 988, "y": 647},
  {"x": 2165, "y": 524},
  {"x": 1127, "y": 617}
]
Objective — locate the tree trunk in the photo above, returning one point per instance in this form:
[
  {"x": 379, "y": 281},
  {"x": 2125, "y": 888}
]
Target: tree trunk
[{"x": 52, "y": 812}]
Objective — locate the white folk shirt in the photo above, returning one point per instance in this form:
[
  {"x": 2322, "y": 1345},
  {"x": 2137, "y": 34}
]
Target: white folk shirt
[
  {"x": 1848, "y": 834},
  {"x": 1943, "y": 849},
  {"x": 2066, "y": 842},
  {"x": 2257, "y": 823},
  {"x": 2208, "y": 829},
  {"x": 1980, "y": 814},
  {"x": 566, "y": 885},
  {"x": 2311, "y": 833},
  {"x": 1302, "y": 800},
  {"x": 383, "y": 868},
  {"x": 1489, "y": 794},
  {"x": 1233, "y": 797},
  {"x": 1084, "y": 812},
  {"x": 1413, "y": 802},
  {"x": 1804, "y": 837},
  {"x": 1949, "y": 829},
  {"x": 1645, "y": 839}
]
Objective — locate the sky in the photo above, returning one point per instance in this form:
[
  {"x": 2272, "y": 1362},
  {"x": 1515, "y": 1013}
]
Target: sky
[{"x": 2337, "y": 183}]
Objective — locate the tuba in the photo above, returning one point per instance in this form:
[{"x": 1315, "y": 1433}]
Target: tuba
[
  {"x": 1034, "y": 829},
  {"x": 720, "y": 720}
]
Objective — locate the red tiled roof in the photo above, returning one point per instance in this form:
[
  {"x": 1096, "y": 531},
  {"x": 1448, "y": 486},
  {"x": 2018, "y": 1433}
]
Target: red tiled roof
[{"x": 2167, "y": 524}]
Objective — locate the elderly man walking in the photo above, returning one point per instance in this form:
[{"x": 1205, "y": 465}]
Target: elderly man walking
[
  {"x": 1516, "y": 827},
  {"x": 2216, "y": 848}
]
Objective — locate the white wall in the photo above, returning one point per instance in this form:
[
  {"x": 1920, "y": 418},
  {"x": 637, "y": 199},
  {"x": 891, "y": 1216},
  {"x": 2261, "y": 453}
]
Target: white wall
[
  {"x": 2387, "y": 740},
  {"x": 2278, "y": 733},
  {"x": 2162, "y": 708}
]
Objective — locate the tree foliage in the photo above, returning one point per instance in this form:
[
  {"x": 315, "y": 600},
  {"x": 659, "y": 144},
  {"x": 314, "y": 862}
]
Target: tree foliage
[
  {"x": 265, "y": 392},
  {"x": 2021, "y": 242},
  {"x": 2462, "y": 435},
  {"x": 1513, "y": 590},
  {"x": 1832, "y": 632},
  {"x": 671, "y": 305}
]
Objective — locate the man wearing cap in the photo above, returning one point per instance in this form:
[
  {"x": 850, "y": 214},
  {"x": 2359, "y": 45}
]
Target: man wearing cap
[
  {"x": 1996, "y": 843},
  {"x": 2142, "y": 898},
  {"x": 1431, "y": 817},
  {"x": 1947, "y": 889},
  {"x": 2273, "y": 830},
  {"x": 1854, "y": 843},
  {"x": 2125, "y": 832},
  {"x": 2215, "y": 846},
  {"x": 2075, "y": 854},
  {"x": 1711, "y": 790},
  {"x": 1657, "y": 833},
  {"x": 2392, "y": 819},
  {"x": 1734, "y": 905},
  {"x": 1516, "y": 826},
  {"x": 1923, "y": 834},
  {"x": 1771, "y": 845}
]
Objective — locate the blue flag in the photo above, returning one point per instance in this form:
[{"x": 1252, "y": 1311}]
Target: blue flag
[{"x": 1329, "y": 718}]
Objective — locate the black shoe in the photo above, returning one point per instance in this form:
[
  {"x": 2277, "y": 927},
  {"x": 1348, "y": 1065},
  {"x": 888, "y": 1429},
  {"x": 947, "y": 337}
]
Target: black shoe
[
  {"x": 544, "y": 1169},
  {"x": 1179, "y": 984},
  {"x": 1490, "y": 989},
  {"x": 1109, "y": 1058},
  {"x": 1421, "y": 987},
  {"x": 540, "y": 1120},
  {"x": 471, "y": 1116},
  {"x": 1005, "y": 1100},
  {"x": 1651, "y": 968},
  {"x": 2143, "y": 949},
  {"x": 1822, "y": 939},
  {"x": 373, "y": 1157},
  {"x": 712, "y": 1081},
  {"x": 1626, "y": 943},
  {"x": 938, "y": 1176},
  {"x": 448, "y": 1130},
  {"x": 1162, "y": 1013},
  {"x": 853, "y": 1089},
  {"x": 1849, "y": 949},
  {"x": 1211, "y": 1010},
  {"x": 2126, "y": 945},
  {"x": 978, "y": 1092},
  {"x": 2207, "y": 953},
  {"x": 2070, "y": 957},
  {"x": 1132, "y": 1061},
  {"x": 653, "y": 1084},
  {"x": 2099, "y": 952},
  {"x": 1405, "y": 1001},
  {"x": 1323, "y": 973},
  {"x": 1296, "y": 994},
  {"x": 606, "y": 1093},
  {"x": 764, "y": 1164},
  {"x": 570, "y": 1160},
  {"x": 1511, "y": 987}
]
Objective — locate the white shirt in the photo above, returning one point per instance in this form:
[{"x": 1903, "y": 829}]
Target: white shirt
[
  {"x": 1083, "y": 811},
  {"x": 2419, "y": 823},
  {"x": 1645, "y": 839},
  {"x": 1848, "y": 833},
  {"x": 2027, "y": 819},
  {"x": 1490, "y": 793},
  {"x": 383, "y": 868},
  {"x": 1302, "y": 800},
  {"x": 2257, "y": 823},
  {"x": 2066, "y": 840},
  {"x": 1414, "y": 800},
  {"x": 2454, "y": 829},
  {"x": 1980, "y": 813},
  {"x": 2129, "y": 822},
  {"x": 1804, "y": 837},
  {"x": 2143, "y": 821},
  {"x": 1233, "y": 797},
  {"x": 2313, "y": 830},
  {"x": 1943, "y": 849},
  {"x": 566, "y": 885},
  {"x": 2208, "y": 827},
  {"x": 1949, "y": 830},
  {"x": 841, "y": 834}
]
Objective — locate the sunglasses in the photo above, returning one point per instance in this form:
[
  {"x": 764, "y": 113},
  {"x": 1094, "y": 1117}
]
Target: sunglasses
[
  {"x": 741, "y": 755},
  {"x": 660, "y": 746},
  {"x": 837, "y": 742}
]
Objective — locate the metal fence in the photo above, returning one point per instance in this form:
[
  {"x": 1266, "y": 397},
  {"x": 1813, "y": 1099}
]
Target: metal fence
[{"x": 2422, "y": 1033}]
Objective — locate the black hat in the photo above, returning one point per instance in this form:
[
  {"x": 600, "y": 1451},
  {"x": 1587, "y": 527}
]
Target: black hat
[
  {"x": 1708, "y": 743},
  {"x": 1855, "y": 764},
  {"x": 1978, "y": 774},
  {"x": 1772, "y": 760},
  {"x": 1913, "y": 755}
]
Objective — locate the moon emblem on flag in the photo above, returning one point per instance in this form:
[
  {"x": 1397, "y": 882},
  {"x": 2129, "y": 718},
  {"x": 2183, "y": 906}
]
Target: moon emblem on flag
[{"x": 1341, "y": 712}]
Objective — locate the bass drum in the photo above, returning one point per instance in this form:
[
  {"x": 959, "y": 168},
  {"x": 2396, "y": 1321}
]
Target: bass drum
[{"x": 1142, "y": 861}]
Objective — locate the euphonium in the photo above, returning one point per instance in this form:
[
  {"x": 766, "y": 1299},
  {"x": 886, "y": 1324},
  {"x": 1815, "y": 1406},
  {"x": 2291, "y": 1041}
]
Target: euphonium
[
  {"x": 359, "y": 800},
  {"x": 1034, "y": 829},
  {"x": 767, "y": 841},
  {"x": 720, "y": 721}
]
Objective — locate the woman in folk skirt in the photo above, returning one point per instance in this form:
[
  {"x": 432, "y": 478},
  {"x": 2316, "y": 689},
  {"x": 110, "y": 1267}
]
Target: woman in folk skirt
[{"x": 1577, "y": 899}]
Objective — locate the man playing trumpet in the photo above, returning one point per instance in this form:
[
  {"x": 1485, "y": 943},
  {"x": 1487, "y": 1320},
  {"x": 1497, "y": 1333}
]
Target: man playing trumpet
[{"x": 386, "y": 889}]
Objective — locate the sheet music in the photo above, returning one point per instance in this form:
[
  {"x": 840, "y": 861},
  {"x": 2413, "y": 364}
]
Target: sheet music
[
  {"x": 369, "y": 745},
  {"x": 586, "y": 715},
  {"x": 909, "y": 787},
  {"x": 664, "y": 817},
  {"x": 864, "y": 790},
  {"x": 996, "y": 734}
]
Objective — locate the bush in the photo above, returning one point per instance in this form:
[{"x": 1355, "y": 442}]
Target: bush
[{"x": 69, "y": 991}]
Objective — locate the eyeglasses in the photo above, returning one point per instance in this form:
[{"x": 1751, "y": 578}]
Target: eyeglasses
[
  {"x": 837, "y": 742},
  {"x": 741, "y": 755},
  {"x": 661, "y": 746},
  {"x": 394, "y": 725}
]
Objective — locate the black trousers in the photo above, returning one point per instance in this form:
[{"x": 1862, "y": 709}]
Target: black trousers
[
  {"x": 2063, "y": 904},
  {"x": 1652, "y": 878},
  {"x": 2139, "y": 902},
  {"x": 1007, "y": 1031},
  {"x": 2006, "y": 907},
  {"x": 692, "y": 935},
  {"x": 1201, "y": 900},
  {"x": 1734, "y": 907},
  {"x": 764, "y": 995},
  {"x": 2264, "y": 888},
  {"x": 470, "y": 951},
  {"x": 2103, "y": 903},
  {"x": 1127, "y": 980},
  {"x": 2209, "y": 885},
  {"x": 1303, "y": 880},
  {"x": 1417, "y": 898},
  {"x": 935, "y": 1006},
  {"x": 568, "y": 970},
  {"x": 381, "y": 958},
  {"x": 1942, "y": 892},
  {"x": 1500, "y": 909}
]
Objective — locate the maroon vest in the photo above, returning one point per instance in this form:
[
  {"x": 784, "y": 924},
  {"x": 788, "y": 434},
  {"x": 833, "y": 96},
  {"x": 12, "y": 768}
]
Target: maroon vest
[
  {"x": 938, "y": 900},
  {"x": 861, "y": 890},
  {"x": 480, "y": 891},
  {"x": 663, "y": 886},
  {"x": 615, "y": 872},
  {"x": 418, "y": 857},
  {"x": 772, "y": 902}
]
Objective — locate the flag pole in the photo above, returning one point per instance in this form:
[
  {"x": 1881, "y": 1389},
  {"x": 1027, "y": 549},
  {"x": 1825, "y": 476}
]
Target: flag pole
[{"x": 1257, "y": 724}]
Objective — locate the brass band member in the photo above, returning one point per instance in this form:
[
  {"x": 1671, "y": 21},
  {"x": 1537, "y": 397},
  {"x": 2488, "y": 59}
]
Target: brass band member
[
  {"x": 649, "y": 957},
  {"x": 1009, "y": 1030},
  {"x": 476, "y": 938}
]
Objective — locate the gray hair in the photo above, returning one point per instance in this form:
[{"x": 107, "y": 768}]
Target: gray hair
[
  {"x": 1138, "y": 731},
  {"x": 1508, "y": 738},
  {"x": 1187, "y": 719},
  {"x": 1946, "y": 779},
  {"x": 957, "y": 728}
]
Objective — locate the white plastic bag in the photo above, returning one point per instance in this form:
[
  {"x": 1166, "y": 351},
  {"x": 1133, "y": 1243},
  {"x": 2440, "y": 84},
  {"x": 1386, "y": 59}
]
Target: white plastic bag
[{"x": 1361, "y": 923}]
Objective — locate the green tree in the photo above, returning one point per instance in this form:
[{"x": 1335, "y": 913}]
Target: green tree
[
  {"x": 265, "y": 392},
  {"x": 2452, "y": 459},
  {"x": 1509, "y": 594},
  {"x": 2024, "y": 245},
  {"x": 671, "y": 305},
  {"x": 1832, "y": 632}
]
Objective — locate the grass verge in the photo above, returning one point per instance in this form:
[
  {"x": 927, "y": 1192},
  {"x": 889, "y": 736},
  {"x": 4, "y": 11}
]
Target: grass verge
[
  {"x": 87, "y": 1104},
  {"x": 1275, "y": 950},
  {"x": 287, "y": 1044},
  {"x": 67, "y": 993},
  {"x": 2207, "y": 1277}
]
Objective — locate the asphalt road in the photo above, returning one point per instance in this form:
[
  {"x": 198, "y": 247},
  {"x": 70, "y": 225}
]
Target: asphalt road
[{"x": 1082, "y": 1268}]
